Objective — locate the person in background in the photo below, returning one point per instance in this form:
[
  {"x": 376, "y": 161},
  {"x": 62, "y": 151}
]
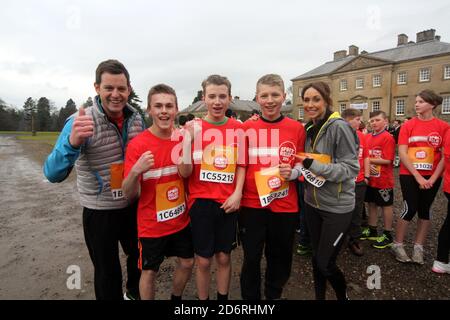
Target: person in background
[
  {"x": 420, "y": 143},
  {"x": 353, "y": 117}
]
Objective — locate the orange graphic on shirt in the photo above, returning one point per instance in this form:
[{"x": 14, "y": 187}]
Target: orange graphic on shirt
[
  {"x": 116, "y": 171},
  {"x": 219, "y": 159},
  {"x": 422, "y": 158},
  {"x": 170, "y": 200},
  {"x": 270, "y": 185}
]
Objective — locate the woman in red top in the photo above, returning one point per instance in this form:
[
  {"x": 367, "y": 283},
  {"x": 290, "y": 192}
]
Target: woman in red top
[{"x": 420, "y": 143}]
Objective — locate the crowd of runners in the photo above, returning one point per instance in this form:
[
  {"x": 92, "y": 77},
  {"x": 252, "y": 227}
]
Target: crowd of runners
[{"x": 197, "y": 191}]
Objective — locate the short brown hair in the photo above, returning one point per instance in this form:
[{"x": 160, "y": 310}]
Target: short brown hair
[
  {"x": 377, "y": 113},
  {"x": 218, "y": 81},
  {"x": 271, "y": 80},
  {"x": 431, "y": 97},
  {"x": 350, "y": 113},
  {"x": 160, "y": 88},
  {"x": 323, "y": 89},
  {"x": 113, "y": 67}
]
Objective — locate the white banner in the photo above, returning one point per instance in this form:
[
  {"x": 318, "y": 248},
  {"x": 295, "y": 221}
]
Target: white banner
[{"x": 360, "y": 106}]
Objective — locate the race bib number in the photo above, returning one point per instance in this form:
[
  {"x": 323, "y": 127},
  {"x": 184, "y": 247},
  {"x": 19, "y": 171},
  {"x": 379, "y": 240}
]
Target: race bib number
[
  {"x": 116, "y": 171},
  {"x": 375, "y": 170},
  {"x": 422, "y": 158},
  {"x": 310, "y": 177},
  {"x": 218, "y": 164},
  {"x": 270, "y": 185},
  {"x": 316, "y": 181},
  {"x": 170, "y": 200}
]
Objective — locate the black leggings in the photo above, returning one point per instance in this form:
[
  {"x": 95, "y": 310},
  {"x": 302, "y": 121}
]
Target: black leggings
[
  {"x": 327, "y": 231},
  {"x": 444, "y": 237},
  {"x": 416, "y": 199}
]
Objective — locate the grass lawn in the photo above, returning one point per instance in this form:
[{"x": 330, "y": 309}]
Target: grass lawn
[{"x": 47, "y": 137}]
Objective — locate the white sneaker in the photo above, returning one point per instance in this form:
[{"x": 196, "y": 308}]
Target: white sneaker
[
  {"x": 440, "y": 267},
  {"x": 417, "y": 256},
  {"x": 399, "y": 252}
]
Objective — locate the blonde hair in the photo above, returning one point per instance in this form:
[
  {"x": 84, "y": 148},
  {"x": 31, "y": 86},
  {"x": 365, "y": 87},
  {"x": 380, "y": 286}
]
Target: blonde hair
[{"x": 271, "y": 80}]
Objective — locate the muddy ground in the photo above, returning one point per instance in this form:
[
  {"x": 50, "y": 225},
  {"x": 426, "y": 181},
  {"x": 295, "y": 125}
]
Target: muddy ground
[{"x": 41, "y": 237}]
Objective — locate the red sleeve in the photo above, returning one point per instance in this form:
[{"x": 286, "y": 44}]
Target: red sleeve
[
  {"x": 301, "y": 142},
  {"x": 131, "y": 157},
  {"x": 242, "y": 158},
  {"x": 403, "y": 137},
  {"x": 389, "y": 150},
  {"x": 363, "y": 145}
]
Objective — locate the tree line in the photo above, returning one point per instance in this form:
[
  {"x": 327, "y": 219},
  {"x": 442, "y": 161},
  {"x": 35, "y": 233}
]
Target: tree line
[{"x": 42, "y": 115}]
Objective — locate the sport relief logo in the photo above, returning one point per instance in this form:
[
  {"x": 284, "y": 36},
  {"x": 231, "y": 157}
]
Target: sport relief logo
[
  {"x": 286, "y": 152},
  {"x": 376, "y": 152},
  {"x": 434, "y": 139},
  {"x": 220, "y": 162},
  {"x": 274, "y": 183},
  {"x": 173, "y": 194},
  {"x": 421, "y": 154}
]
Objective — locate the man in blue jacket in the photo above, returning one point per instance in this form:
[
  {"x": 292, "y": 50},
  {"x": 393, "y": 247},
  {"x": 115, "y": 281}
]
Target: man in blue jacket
[{"x": 94, "y": 141}]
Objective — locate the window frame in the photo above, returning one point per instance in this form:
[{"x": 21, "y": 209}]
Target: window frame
[
  {"x": 397, "y": 105},
  {"x": 341, "y": 82},
  {"x": 420, "y": 74},
  {"x": 376, "y": 76},
  {"x": 405, "y": 76},
  {"x": 444, "y": 100},
  {"x": 362, "y": 83},
  {"x": 379, "y": 105}
]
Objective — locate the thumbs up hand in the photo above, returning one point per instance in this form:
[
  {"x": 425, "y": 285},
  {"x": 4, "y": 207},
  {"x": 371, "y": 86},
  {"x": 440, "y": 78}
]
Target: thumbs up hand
[{"x": 82, "y": 128}]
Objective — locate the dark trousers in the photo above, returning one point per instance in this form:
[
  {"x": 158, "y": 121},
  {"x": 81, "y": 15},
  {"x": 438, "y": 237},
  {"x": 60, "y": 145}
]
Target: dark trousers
[
  {"x": 444, "y": 237},
  {"x": 328, "y": 230},
  {"x": 355, "y": 225},
  {"x": 103, "y": 230},
  {"x": 303, "y": 237},
  {"x": 274, "y": 232}
]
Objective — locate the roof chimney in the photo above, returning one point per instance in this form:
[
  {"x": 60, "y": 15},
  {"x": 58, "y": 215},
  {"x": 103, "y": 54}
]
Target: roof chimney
[
  {"x": 353, "y": 50},
  {"x": 425, "y": 35},
  {"x": 402, "y": 39},
  {"x": 338, "y": 55}
]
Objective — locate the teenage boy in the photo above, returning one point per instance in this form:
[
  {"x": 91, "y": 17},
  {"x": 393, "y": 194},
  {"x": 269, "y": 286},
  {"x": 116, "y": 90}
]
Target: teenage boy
[
  {"x": 151, "y": 173},
  {"x": 380, "y": 192},
  {"x": 353, "y": 117},
  {"x": 215, "y": 185},
  {"x": 269, "y": 214}
]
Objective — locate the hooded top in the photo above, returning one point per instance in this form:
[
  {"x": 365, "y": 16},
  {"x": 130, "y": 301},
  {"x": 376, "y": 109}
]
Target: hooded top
[{"x": 333, "y": 137}]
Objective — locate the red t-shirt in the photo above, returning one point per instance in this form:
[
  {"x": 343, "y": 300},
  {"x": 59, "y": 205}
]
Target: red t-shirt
[
  {"x": 270, "y": 144},
  {"x": 162, "y": 203},
  {"x": 381, "y": 145},
  {"x": 118, "y": 122},
  {"x": 424, "y": 140},
  {"x": 215, "y": 157},
  {"x": 362, "y": 154},
  {"x": 446, "y": 152}
]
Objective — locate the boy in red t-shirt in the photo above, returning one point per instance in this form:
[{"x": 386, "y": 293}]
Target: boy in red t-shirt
[
  {"x": 269, "y": 214},
  {"x": 216, "y": 179},
  {"x": 151, "y": 174},
  {"x": 353, "y": 117},
  {"x": 380, "y": 192}
]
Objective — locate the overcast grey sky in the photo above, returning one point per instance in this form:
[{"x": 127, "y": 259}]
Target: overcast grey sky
[{"x": 51, "y": 48}]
